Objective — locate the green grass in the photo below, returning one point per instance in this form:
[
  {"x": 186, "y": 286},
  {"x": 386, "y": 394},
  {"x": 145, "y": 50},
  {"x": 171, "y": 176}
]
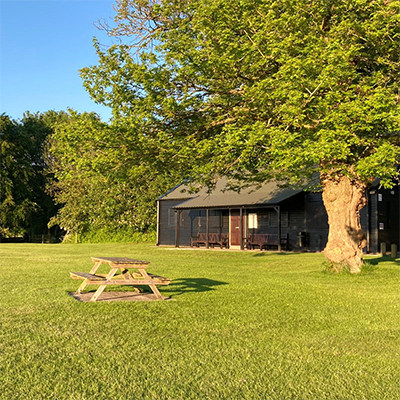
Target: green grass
[{"x": 243, "y": 325}]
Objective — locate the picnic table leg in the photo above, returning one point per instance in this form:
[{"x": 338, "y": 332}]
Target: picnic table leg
[
  {"x": 101, "y": 288},
  {"x": 129, "y": 278},
  {"x": 84, "y": 283},
  {"x": 81, "y": 287},
  {"x": 152, "y": 287},
  {"x": 95, "y": 267}
]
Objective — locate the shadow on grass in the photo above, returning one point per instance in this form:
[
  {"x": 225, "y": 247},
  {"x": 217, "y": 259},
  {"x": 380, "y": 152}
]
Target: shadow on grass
[
  {"x": 190, "y": 285},
  {"x": 264, "y": 253},
  {"x": 176, "y": 287},
  {"x": 378, "y": 260}
]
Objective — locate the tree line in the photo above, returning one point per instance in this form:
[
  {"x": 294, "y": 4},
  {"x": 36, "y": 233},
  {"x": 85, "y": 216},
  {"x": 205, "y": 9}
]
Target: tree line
[
  {"x": 25, "y": 205},
  {"x": 69, "y": 172}
]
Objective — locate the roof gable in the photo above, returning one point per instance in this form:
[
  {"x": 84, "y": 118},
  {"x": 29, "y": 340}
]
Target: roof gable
[{"x": 180, "y": 191}]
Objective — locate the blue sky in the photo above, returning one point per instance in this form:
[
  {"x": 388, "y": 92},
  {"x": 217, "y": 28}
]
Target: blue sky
[{"x": 43, "y": 44}]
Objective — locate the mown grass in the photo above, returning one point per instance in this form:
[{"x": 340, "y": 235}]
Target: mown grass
[{"x": 245, "y": 325}]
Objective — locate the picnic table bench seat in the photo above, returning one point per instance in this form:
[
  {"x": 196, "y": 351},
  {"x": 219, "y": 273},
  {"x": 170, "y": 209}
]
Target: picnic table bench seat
[
  {"x": 159, "y": 280},
  {"x": 85, "y": 275},
  {"x": 162, "y": 280}
]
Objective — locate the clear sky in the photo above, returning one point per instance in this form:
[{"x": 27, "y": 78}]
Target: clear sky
[{"x": 43, "y": 44}]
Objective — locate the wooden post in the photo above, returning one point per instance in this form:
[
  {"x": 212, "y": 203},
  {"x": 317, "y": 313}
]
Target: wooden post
[
  {"x": 375, "y": 227},
  {"x": 207, "y": 228},
  {"x": 241, "y": 228},
  {"x": 279, "y": 228},
  {"x": 393, "y": 251},
  {"x": 158, "y": 222},
  {"x": 177, "y": 218},
  {"x": 383, "y": 249},
  {"x": 278, "y": 210}
]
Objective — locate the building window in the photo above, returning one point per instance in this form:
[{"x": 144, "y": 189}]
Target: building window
[{"x": 252, "y": 221}]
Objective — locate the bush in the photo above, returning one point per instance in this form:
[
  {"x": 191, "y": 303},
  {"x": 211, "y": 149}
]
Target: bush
[{"x": 123, "y": 235}]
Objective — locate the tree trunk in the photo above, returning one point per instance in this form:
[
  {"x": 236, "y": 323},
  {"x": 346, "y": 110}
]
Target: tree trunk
[{"x": 343, "y": 200}]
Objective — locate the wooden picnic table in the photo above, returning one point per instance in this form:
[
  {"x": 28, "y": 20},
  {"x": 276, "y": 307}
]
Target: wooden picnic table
[{"x": 132, "y": 272}]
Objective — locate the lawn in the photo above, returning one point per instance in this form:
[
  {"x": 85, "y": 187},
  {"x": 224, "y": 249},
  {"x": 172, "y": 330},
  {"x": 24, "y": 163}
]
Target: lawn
[{"x": 242, "y": 325}]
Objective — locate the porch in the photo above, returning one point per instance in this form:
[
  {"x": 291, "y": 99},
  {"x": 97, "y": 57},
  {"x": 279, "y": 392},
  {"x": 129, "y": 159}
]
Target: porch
[{"x": 234, "y": 228}]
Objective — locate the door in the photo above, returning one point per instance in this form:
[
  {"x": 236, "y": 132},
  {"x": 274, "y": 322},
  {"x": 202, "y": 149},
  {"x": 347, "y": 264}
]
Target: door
[{"x": 235, "y": 228}]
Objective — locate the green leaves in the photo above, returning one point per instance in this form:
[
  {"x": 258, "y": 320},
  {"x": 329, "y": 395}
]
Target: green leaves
[
  {"x": 275, "y": 88},
  {"x": 24, "y": 206},
  {"x": 383, "y": 162},
  {"x": 106, "y": 175}
]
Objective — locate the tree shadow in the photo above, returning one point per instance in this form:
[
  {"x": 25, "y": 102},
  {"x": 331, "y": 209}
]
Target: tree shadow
[
  {"x": 177, "y": 287},
  {"x": 282, "y": 253},
  {"x": 192, "y": 285},
  {"x": 381, "y": 259},
  {"x": 372, "y": 261}
]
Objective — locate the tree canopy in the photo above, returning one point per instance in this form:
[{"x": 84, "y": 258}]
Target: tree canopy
[
  {"x": 106, "y": 177},
  {"x": 25, "y": 207},
  {"x": 264, "y": 89},
  {"x": 260, "y": 88}
]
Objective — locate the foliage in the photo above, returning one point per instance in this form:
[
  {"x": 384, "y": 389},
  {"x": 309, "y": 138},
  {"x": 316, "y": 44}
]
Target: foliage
[
  {"x": 255, "y": 90},
  {"x": 240, "y": 326},
  {"x": 109, "y": 235},
  {"x": 25, "y": 208},
  {"x": 260, "y": 89},
  {"x": 106, "y": 176}
]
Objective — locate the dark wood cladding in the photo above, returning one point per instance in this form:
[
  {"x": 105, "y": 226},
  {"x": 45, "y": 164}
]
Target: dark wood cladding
[
  {"x": 302, "y": 218},
  {"x": 388, "y": 216},
  {"x": 167, "y": 222}
]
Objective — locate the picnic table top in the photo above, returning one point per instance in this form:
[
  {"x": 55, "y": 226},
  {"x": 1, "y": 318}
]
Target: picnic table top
[{"x": 120, "y": 261}]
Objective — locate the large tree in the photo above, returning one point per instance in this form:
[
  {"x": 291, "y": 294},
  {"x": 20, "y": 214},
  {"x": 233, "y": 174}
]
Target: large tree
[
  {"x": 265, "y": 89},
  {"x": 25, "y": 207},
  {"x": 107, "y": 177}
]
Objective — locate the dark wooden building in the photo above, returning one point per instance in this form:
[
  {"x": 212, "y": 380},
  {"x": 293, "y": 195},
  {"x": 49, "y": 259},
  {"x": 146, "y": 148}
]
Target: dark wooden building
[
  {"x": 296, "y": 216},
  {"x": 382, "y": 218}
]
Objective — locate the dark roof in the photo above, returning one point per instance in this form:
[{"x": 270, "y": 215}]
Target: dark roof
[
  {"x": 180, "y": 191},
  {"x": 268, "y": 194}
]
